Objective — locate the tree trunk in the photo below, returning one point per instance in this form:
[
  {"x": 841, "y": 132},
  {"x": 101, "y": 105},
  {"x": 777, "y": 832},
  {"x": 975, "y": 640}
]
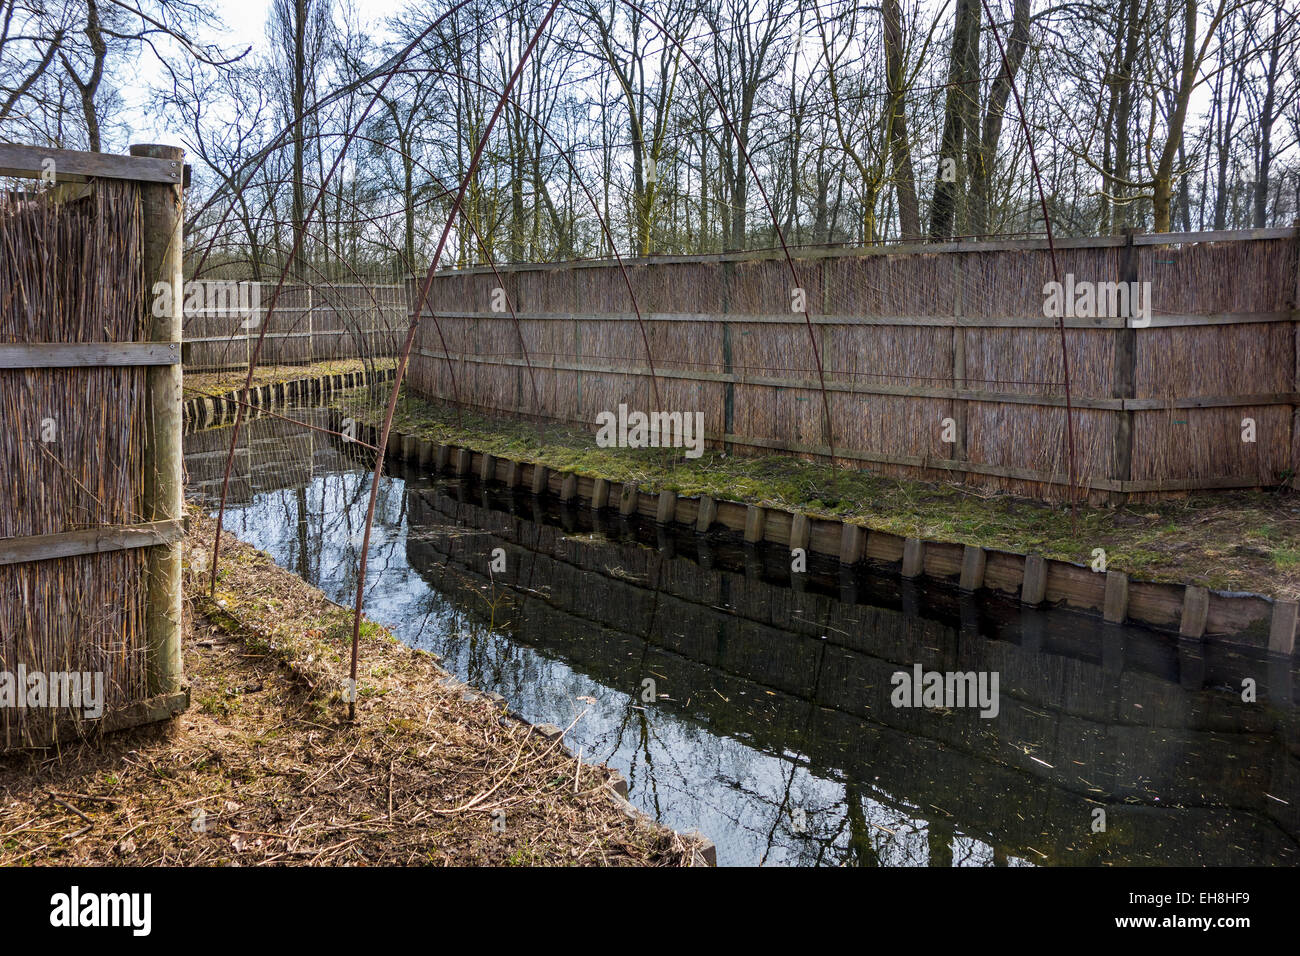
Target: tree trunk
[
  {"x": 1163, "y": 181},
  {"x": 909, "y": 210},
  {"x": 982, "y": 168},
  {"x": 948, "y": 177}
]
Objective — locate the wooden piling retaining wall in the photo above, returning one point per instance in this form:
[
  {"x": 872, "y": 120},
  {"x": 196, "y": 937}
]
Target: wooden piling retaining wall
[
  {"x": 939, "y": 361},
  {"x": 204, "y": 411},
  {"x": 1191, "y": 612}
]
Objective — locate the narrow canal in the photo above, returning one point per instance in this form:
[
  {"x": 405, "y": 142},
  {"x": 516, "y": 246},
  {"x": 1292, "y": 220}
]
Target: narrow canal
[{"x": 755, "y": 704}]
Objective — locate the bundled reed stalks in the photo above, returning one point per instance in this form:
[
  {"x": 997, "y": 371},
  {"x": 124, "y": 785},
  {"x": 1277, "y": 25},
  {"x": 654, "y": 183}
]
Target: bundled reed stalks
[{"x": 71, "y": 452}]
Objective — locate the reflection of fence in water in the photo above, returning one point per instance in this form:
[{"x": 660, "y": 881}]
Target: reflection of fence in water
[
  {"x": 709, "y": 629},
  {"x": 273, "y": 453}
]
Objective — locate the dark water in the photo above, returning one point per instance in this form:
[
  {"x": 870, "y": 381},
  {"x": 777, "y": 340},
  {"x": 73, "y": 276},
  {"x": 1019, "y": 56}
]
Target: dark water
[{"x": 771, "y": 727}]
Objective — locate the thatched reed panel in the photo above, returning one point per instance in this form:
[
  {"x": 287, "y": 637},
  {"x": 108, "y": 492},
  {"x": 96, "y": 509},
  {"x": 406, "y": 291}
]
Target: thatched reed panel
[
  {"x": 471, "y": 336},
  {"x": 1249, "y": 359},
  {"x": 762, "y": 288},
  {"x": 887, "y": 424},
  {"x": 431, "y": 377},
  {"x": 686, "y": 346},
  {"x": 494, "y": 339},
  {"x": 229, "y": 353},
  {"x": 948, "y": 293},
  {"x": 767, "y": 288},
  {"x": 999, "y": 283},
  {"x": 920, "y": 285},
  {"x": 805, "y": 416},
  {"x": 1028, "y": 361},
  {"x": 537, "y": 291},
  {"x": 759, "y": 413},
  {"x": 565, "y": 398},
  {"x": 772, "y": 351},
  {"x": 552, "y": 400},
  {"x": 468, "y": 293},
  {"x": 1033, "y": 437},
  {"x": 650, "y": 282},
  {"x": 544, "y": 339},
  {"x": 643, "y": 286},
  {"x": 72, "y": 456},
  {"x": 680, "y": 395},
  {"x": 447, "y": 293},
  {"x": 1256, "y": 275},
  {"x": 1294, "y": 460},
  {"x": 485, "y": 384},
  {"x": 614, "y": 342},
  {"x": 604, "y": 392},
  {"x": 459, "y": 336},
  {"x": 647, "y": 286},
  {"x": 693, "y": 287},
  {"x": 287, "y": 341},
  {"x": 1207, "y": 443},
  {"x": 599, "y": 290},
  {"x": 1011, "y": 282},
  {"x": 893, "y": 355},
  {"x": 468, "y": 336},
  {"x": 789, "y": 415}
]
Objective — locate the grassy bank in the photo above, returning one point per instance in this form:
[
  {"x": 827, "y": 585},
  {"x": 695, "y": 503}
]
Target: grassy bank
[
  {"x": 265, "y": 768},
  {"x": 1247, "y": 541}
]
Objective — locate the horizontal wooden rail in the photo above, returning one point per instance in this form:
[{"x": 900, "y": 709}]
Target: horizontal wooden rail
[
  {"x": 66, "y": 165},
  {"x": 87, "y": 354},
  {"x": 399, "y": 309},
  {"x": 1212, "y": 235},
  {"x": 925, "y": 321},
  {"x": 905, "y": 391},
  {"x": 253, "y": 334},
  {"x": 69, "y": 544}
]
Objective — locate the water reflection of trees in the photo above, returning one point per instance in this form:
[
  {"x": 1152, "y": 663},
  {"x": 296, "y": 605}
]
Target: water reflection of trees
[
  {"x": 659, "y": 752},
  {"x": 686, "y": 764}
]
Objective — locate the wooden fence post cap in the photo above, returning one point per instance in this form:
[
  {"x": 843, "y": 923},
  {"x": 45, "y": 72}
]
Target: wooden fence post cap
[{"x": 158, "y": 151}]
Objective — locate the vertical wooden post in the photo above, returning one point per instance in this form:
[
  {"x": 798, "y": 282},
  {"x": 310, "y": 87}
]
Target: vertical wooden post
[
  {"x": 579, "y": 360},
  {"x": 163, "y": 261},
  {"x": 959, "y": 407},
  {"x": 729, "y": 391},
  {"x": 1125, "y": 377},
  {"x": 311, "y": 329},
  {"x": 1293, "y": 301}
]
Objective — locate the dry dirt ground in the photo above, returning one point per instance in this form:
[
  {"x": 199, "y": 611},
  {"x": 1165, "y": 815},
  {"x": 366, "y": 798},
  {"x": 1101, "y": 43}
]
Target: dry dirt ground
[{"x": 265, "y": 767}]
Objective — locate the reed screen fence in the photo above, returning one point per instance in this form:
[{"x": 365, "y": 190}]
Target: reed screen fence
[
  {"x": 317, "y": 322},
  {"x": 89, "y": 458},
  {"x": 939, "y": 362}
]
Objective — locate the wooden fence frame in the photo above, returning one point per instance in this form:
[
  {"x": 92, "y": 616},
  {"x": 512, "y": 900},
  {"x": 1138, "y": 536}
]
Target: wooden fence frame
[
  {"x": 397, "y": 311},
  {"x": 161, "y": 174}
]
